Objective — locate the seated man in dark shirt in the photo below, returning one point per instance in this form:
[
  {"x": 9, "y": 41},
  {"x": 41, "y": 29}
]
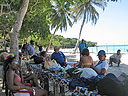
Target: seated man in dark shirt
[{"x": 59, "y": 57}]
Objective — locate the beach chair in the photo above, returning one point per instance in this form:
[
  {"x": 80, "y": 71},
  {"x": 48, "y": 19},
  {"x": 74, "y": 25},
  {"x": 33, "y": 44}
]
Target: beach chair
[{"x": 21, "y": 93}]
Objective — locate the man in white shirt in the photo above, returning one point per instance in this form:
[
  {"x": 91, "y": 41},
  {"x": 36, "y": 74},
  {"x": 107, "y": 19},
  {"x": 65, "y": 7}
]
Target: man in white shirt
[{"x": 115, "y": 58}]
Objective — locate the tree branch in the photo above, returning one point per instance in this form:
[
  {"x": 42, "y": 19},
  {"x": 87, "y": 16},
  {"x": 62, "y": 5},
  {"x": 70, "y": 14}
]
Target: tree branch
[
  {"x": 3, "y": 13},
  {"x": 33, "y": 6}
]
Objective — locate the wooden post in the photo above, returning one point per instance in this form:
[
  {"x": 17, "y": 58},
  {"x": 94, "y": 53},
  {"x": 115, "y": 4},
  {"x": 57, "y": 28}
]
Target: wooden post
[
  {"x": 56, "y": 93},
  {"x": 62, "y": 90}
]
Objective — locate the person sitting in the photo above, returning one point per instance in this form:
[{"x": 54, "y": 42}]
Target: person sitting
[
  {"x": 24, "y": 50},
  {"x": 101, "y": 66},
  {"x": 13, "y": 80},
  {"x": 86, "y": 60},
  {"x": 59, "y": 57},
  {"x": 44, "y": 57},
  {"x": 115, "y": 58},
  {"x": 40, "y": 59},
  {"x": 31, "y": 49},
  {"x": 40, "y": 50},
  {"x": 3, "y": 55},
  {"x": 28, "y": 76}
]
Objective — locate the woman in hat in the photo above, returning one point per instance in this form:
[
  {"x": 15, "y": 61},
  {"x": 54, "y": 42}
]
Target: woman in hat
[{"x": 101, "y": 66}]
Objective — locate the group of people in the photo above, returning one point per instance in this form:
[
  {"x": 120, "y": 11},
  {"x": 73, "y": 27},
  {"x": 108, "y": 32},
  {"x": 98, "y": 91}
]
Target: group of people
[
  {"x": 86, "y": 61},
  {"x": 15, "y": 77},
  {"x": 31, "y": 49},
  {"x": 13, "y": 80},
  {"x": 101, "y": 66}
]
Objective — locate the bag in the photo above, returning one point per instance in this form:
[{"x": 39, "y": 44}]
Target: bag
[
  {"x": 38, "y": 60},
  {"x": 114, "y": 84},
  {"x": 47, "y": 64},
  {"x": 89, "y": 83},
  {"x": 76, "y": 82},
  {"x": 74, "y": 72}
]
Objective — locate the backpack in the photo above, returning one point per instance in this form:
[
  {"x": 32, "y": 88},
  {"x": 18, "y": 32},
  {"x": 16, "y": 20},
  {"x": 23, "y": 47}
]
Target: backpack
[{"x": 114, "y": 84}]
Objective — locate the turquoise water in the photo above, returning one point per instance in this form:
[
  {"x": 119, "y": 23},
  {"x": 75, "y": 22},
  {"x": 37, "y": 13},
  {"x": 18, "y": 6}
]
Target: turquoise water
[
  {"x": 110, "y": 48},
  {"x": 107, "y": 48}
]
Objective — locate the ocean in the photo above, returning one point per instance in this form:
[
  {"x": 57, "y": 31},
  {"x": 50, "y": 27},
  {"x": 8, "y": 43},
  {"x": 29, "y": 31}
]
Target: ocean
[
  {"x": 110, "y": 48},
  {"x": 106, "y": 48}
]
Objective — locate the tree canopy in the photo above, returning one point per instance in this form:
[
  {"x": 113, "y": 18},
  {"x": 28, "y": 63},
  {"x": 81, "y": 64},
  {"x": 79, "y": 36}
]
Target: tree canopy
[{"x": 40, "y": 17}]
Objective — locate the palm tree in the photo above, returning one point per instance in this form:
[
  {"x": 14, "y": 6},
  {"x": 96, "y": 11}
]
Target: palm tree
[
  {"x": 87, "y": 10},
  {"x": 59, "y": 17}
]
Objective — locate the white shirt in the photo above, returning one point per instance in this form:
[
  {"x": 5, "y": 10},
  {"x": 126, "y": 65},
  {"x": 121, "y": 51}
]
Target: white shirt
[
  {"x": 116, "y": 56},
  {"x": 102, "y": 65}
]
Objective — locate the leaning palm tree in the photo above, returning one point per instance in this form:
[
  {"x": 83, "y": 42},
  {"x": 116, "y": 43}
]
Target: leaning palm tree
[
  {"x": 87, "y": 10},
  {"x": 59, "y": 17}
]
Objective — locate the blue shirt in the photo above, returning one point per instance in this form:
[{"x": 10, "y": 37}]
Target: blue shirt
[
  {"x": 82, "y": 46},
  {"x": 31, "y": 49},
  {"x": 59, "y": 57}
]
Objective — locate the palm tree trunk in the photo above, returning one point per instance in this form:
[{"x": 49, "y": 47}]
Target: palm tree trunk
[
  {"x": 14, "y": 48},
  {"x": 80, "y": 32},
  {"x": 51, "y": 40}
]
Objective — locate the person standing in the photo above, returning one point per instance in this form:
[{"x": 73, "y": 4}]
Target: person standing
[
  {"x": 81, "y": 46},
  {"x": 31, "y": 49}
]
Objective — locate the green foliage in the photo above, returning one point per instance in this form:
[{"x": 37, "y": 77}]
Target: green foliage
[
  {"x": 87, "y": 10},
  {"x": 38, "y": 19},
  {"x": 59, "y": 14},
  {"x": 63, "y": 42},
  {"x": 35, "y": 23},
  {"x": 14, "y": 5},
  {"x": 6, "y": 23},
  {"x": 91, "y": 44}
]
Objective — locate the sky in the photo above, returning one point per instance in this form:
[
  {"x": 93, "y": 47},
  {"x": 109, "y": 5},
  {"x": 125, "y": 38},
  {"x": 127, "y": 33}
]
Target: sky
[{"x": 110, "y": 29}]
